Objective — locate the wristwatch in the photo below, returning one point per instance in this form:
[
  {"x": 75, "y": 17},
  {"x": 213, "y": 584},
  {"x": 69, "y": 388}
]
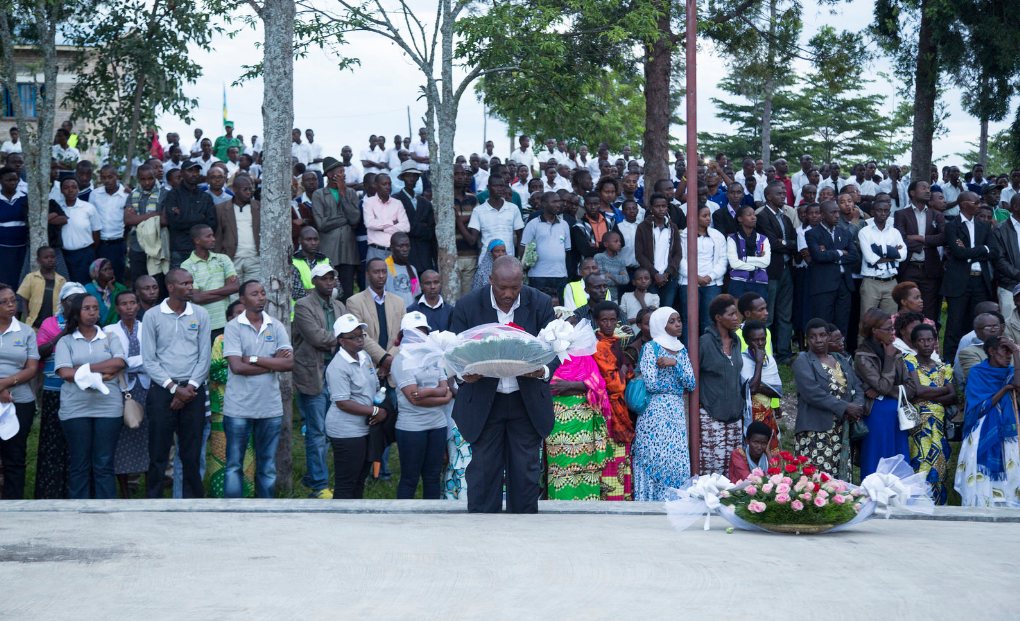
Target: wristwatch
[{"x": 253, "y": 359}]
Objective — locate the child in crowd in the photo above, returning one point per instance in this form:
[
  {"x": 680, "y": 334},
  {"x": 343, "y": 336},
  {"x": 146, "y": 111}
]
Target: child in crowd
[
  {"x": 611, "y": 264},
  {"x": 41, "y": 288},
  {"x": 633, "y": 302}
]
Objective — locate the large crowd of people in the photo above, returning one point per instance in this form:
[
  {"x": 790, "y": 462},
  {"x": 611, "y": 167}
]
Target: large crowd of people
[{"x": 148, "y": 298}]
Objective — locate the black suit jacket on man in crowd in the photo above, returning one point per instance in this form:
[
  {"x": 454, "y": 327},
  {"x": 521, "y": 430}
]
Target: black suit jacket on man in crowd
[
  {"x": 829, "y": 300},
  {"x": 422, "y": 218},
  {"x": 783, "y": 246},
  {"x": 963, "y": 292},
  {"x": 500, "y": 440}
]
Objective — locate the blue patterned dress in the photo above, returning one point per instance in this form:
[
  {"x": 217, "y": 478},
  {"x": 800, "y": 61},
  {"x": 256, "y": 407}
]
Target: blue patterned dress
[{"x": 661, "y": 452}]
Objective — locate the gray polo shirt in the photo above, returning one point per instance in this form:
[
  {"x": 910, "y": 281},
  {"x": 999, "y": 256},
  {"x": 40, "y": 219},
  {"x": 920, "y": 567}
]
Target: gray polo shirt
[
  {"x": 415, "y": 417},
  {"x": 75, "y": 350},
  {"x": 348, "y": 379},
  {"x": 253, "y": 396},
  {"x": 552, "y": 241},
  {"x": 17, "y": 346},
  {"x": 177, "y": 347}
]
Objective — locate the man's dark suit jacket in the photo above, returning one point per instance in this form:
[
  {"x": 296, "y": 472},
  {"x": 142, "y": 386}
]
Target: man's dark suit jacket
[
  {"x": 1007, "y": 264},
  {"x": 824, "y": 273},
  {"x": 954, "y": 284},
  {"x": 783, "y": 247},
  {"x": 934, "y": 236},
  {"x": 420, "y": 215},
  {"x": 474, "y": 401}
]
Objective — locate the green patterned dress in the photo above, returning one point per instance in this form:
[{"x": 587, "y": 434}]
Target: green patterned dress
[
  {"x": 217, "y": 464},
  {"x": 576, "y": 450}
]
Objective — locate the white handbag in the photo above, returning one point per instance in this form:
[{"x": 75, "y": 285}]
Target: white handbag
[{"x": 907, "y": 414}]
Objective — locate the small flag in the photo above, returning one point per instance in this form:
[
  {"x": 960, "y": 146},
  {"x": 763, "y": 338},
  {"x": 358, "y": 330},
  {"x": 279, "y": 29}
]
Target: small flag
[{"x": 224, "y": 104}]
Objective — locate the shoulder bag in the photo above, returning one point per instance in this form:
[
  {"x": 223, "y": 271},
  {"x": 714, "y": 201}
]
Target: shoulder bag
[
  {"x": 909, "y": 417},
  {"x": 134, "y": 412}
]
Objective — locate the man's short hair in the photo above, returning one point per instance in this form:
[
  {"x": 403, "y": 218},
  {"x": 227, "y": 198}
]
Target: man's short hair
[{"x": 198, "y": 230}]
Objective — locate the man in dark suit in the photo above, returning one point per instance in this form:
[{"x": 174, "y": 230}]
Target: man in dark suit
[
  {"x": 968, "y": 279},
  {"x": 422, "y": 218},
  {"x": 782, "y": 236},
  {"x": 830, "y": 276},
  {"x": 1007, "y": 264},
  {"x": 924, "y": 264},
  {"x": 506, "y": 419}
]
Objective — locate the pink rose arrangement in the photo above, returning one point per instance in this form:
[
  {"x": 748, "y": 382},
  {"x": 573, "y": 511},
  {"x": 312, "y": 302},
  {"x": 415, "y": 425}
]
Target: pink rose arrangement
[{"x": 792, "y": 491}]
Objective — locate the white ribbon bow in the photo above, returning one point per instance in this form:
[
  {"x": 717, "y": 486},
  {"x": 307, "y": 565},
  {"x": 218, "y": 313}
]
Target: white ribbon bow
[
  {"x": 702, "y": 497},
  {"x": 895, "y": 485},
  {"x": 566, "y": 340}
]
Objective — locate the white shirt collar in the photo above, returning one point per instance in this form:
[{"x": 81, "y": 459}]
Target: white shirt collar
[
  {"x": 378, "y": 299},
  {"x": 164, "y": 307},
  {"x": 1016, "y": 223},
  {"x": 18, "y": 193},
  {"x": 362, "y": 356},
  {"x": 14, "y": 327},
  {"x": 422, "y": 300},
  {"x": 964, "y": 217},
  {"x": 266, "y": 321},
  {"x": 100, "y": 334},
  {"x": 492, "y": 298}
]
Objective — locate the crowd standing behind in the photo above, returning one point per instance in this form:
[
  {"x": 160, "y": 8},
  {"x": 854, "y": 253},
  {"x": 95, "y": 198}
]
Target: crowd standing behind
[{"x": 150, "y": 294}]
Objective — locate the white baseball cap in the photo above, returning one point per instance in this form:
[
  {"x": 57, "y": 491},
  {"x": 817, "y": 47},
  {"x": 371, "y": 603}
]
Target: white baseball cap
[
  {"x": 346, "y": 324},
  {"x": 413, "y": 320},
  {"x": 322, "y": 269}
]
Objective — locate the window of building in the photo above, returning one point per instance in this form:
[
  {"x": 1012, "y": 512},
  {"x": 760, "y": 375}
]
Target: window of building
[{"x": 26, "y": 93}]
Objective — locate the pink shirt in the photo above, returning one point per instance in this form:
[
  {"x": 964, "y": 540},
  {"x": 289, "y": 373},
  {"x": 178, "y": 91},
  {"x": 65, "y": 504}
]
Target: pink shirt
[{"x": 380, "y": 218}]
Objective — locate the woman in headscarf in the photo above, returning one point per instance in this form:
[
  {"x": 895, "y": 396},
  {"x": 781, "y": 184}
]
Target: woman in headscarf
[
  {"x": 616, "y": 370},
  {"x": 578, "y": 449},
  {"x": 105, "y": 287},
  {"x": 496, "y": 249},
  {"x": 988, "y": 473},
  {"x": 662, "y": 458},
  {"x": 762, "y": 384},
  {"x": 53, "y": 461},
  {"x": 881, "y": 370}
]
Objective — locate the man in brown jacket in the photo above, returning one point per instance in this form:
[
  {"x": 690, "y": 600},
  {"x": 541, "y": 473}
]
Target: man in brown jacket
[
  {"x": 237, "y": 230},
  {"x": 662, "y": 263},
  {"x": 314, "y": 346}
]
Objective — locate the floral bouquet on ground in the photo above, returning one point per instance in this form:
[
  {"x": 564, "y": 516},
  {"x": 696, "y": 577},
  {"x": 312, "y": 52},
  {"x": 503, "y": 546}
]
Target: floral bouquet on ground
[{"x": 794, "y": 497}]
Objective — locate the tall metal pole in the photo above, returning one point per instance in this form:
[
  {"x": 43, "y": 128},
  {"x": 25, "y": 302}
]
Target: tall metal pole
[
  {"x": 409, "y": 132},
  {"x": 485, "y": 126},
  {"x": 693, "y": 411}
]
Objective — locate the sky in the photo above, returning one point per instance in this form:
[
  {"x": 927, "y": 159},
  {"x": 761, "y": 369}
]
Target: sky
[{"x": 346, "y": 107}]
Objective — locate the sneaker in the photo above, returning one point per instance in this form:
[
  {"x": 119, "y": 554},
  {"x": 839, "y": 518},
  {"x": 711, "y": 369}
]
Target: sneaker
[{"x": 322, "y": 494}]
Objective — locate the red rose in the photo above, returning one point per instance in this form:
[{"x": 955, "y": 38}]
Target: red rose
[
  {"x": 791, "y": 468},
  {"x": 786, "y": 456},
  {"x": 774, "y": 471},
  {"x": 825, "y": 477},
  {"x": 802, "y": 459},
  {"x": 774, "y": 461},
  {"x": 817, "y": 487},
  {"x": 809, "y": 470}
]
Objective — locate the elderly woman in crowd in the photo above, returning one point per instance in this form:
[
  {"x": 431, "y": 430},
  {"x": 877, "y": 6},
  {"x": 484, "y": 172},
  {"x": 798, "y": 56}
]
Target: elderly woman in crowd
[
  {"x": 496, "y": 249},
  {"x": 661, "y": 454},
  {"x": 19, "y": 361},
  {"x": 720, "y": 363},
  {"x": 90, "y": 416},
  {"x": 882, "y": 371},
  {"x": 929, "y": 446},
  {"x": 988, "y": 472},
  {"x": 104, "y": 287},
  {"x": 828, "y": 401},
  {"x": 760, "y": 375}
]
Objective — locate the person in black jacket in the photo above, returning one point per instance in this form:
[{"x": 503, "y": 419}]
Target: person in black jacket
[
  {"x": 774, "y": 224},
  {"x": 504, "y": 420},
  {"x": 968, "y": 279},
  {"x": 830, "y": 276},
  {"x": 1007, "y": 264},
  {"x": 185, "y": 206},
  {"x": 424, "y": 247}
]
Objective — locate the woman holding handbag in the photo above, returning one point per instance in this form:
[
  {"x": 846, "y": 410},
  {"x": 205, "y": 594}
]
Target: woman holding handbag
[
  {"x": 829, "y": 402},
  {"x": 132, "y": 455},
  {"x": 883, "y": 372}
]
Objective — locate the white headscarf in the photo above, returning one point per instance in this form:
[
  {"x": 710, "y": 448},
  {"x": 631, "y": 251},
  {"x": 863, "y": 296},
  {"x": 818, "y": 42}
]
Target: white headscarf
[{"x": 657, "y": 326}]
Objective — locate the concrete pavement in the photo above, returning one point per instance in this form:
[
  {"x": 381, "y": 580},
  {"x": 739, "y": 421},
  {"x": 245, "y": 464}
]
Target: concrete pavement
[{"x": 391, "y": 560}]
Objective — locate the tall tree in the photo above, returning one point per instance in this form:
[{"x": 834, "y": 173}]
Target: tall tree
[
  {"x": 134, "y": 62},
  {"x": 42, "y": 20},
  {"x": 999, "y": 157}
]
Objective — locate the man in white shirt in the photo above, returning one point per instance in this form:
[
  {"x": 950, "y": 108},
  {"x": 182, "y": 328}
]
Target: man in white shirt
[
  {"x": 391, "y": 154},
  {"x": 373, "y": 158},
  {"x": 882, "y": 249},
  {"x": 549, "y": 156},
  {"x": 496, "y": 218},
  {"x": 298, "y": 149},
  {"x": 196, "y": 147},
  {"x": 594, "y": 165},
  {"x": 563, "y": 155},
  {"x": 314, "y": 155},
  {"x": 11, "y": 146},
  {"x": 552, "y": 181},
  {"x": 800, "y": 179},
  {"x": 951, "y": 190},
  {"x": 832, "y": 179},
  {"x": 207, "y": 159},
  {"x": 523, "y": 153},
  {"x": 1010, "y": 190},
  {"x": 747, "y": 170},
  {"x": 67, "y": 156},
  {"x": 479, "y": 174},
  {"x": 232, "y": 163},
  {"x": 865, "y": 186},
  {"x": 109, "y": 200},
  {"x": 896, "y": 188},
  {"x": 352, "y": 173},
  {"x": 420, "y": 154}
]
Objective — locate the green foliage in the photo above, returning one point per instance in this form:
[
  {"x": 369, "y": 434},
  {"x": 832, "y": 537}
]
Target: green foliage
[
  {"x": 783, "y": 514},
  {"x": 123, "y": 42},
  {"x": 1001, "y": 158}
]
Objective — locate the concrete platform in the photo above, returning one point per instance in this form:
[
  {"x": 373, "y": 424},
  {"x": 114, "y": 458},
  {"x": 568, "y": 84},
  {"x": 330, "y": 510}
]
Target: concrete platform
[{"x": 307, "y": 560}]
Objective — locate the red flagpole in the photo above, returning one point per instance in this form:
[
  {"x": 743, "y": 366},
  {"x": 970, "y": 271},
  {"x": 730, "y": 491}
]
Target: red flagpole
[{"x": 693, "y": 411}]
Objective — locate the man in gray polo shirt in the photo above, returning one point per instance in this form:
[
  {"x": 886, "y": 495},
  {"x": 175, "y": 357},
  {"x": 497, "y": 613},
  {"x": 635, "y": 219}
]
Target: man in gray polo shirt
[
  {"x": 175, "y": 337},
  {"x": 257, "y": 349}
]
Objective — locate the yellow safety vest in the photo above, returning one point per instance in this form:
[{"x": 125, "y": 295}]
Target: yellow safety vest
[
  {"x": 305, "y": 273},
  {"x": 575, "y": 289}
]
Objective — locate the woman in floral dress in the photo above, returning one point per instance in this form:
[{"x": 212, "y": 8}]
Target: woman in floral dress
[{"x": 929, "y": 446}]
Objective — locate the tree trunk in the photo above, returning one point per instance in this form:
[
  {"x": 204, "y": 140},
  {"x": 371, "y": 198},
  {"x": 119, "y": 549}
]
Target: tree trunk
[
  {"x": 444, "y": 111},
  {"x": 37, "y": 144},
  {"x": 275, "y": 243},
  {"x": 983, "y": 145},
  {"x": 658, "y": 66},
  {"x": 766, "y": 113},
  {"x": 925, "y": 96}
]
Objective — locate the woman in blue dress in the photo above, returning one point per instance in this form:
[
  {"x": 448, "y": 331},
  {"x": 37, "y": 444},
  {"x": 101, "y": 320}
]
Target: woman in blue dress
[{"x": 661, "y": 456}]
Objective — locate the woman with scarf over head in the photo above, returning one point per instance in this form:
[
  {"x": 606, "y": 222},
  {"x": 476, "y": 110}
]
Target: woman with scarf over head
[
  {"x": 988, "y": 473},
  {"x": 661, "y": 452},
  {"x": 496, "y": 249},
  {"x": 104, "y": 287}
]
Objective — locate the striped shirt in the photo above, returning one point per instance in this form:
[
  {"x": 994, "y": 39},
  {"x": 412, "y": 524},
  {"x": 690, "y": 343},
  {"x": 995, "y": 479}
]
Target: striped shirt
[{"x": 211, "y": 274}]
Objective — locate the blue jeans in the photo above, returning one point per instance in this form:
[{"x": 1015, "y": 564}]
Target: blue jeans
[
  {"x": 421, "y": 456},
  {"x": 666, "y": 293},
  {"x": 179, "y": 467},
  {"x": 313, "y": 410},
  {"x": 267, "y": 436},
  {"x": 91, "y": 444},
  {"x": 705, "y": 296}
]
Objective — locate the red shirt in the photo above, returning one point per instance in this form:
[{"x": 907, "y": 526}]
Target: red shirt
[{"x": 789, "y": 189}]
